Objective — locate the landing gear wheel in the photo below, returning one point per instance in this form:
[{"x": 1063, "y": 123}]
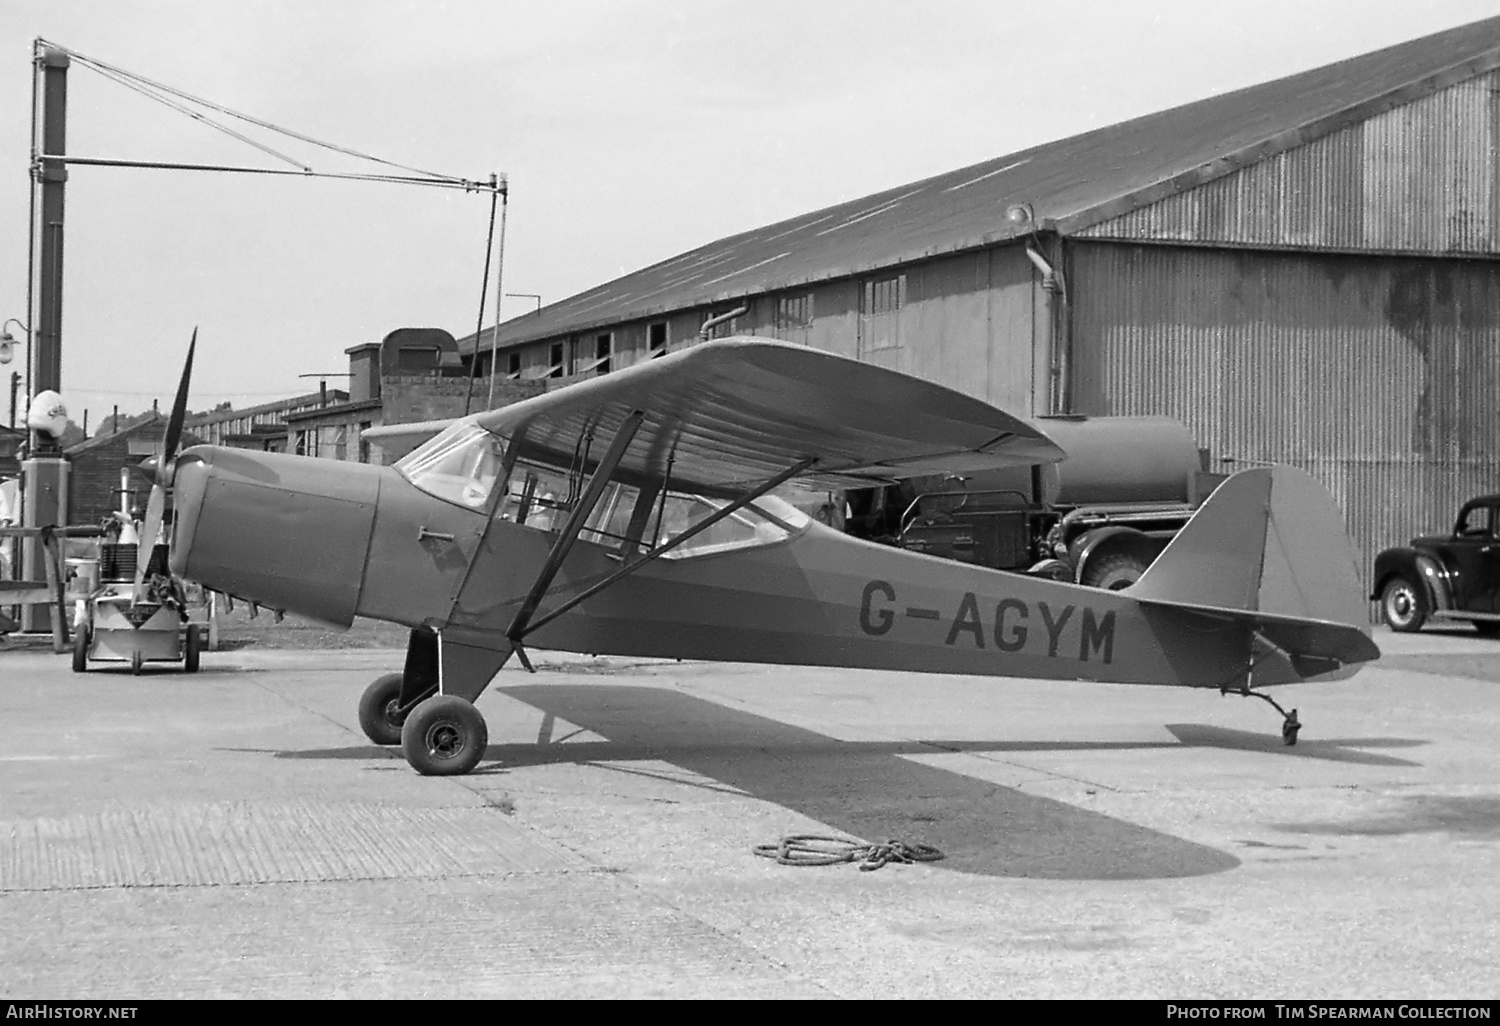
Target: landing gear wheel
[
  {"x": 378, "y": 715},
  {"x": 192, "y": 644},
  {"x": 1290, "y": 728},
  {"x": 81, "y": 648},
  {"x": 1290, "y": 725},
  {"x": 1403, "y": 605},
  {"x": 444, "y": 736},
  {"x": 136, "y": 659}
]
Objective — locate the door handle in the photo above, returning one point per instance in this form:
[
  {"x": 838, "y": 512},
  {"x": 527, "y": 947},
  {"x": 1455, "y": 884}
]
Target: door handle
[{"x": 423, "y": 534}]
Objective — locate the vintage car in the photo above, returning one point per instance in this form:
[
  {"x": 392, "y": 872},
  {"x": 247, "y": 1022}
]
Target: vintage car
[{"x": 1445, "y": 577}]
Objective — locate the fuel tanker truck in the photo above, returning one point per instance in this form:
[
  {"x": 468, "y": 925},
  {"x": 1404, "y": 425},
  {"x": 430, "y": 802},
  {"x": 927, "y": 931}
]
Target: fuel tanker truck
[{"x": 1098, "y": 517}]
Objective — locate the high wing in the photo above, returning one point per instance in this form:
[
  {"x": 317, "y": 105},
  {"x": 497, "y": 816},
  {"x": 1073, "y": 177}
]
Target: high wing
[{"x": 727, "y": 415}]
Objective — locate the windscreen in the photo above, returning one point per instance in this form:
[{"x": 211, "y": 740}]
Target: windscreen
[{"x": 459, "y": 465}]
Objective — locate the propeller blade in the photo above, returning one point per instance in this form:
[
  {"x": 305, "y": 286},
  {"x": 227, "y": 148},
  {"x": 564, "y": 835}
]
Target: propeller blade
[
  {"x": 155, "y": 508},
  {"x": 179, "y": 413},
  {"x": 161, "y": 473}
]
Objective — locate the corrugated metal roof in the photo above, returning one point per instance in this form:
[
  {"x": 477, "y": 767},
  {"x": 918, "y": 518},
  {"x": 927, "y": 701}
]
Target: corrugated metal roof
[{"x": 1070, "y": 184}]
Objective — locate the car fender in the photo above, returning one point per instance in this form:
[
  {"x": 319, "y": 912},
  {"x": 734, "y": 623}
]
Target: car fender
[
  {"x": 1100, "y": 541},
  {"x": 1420, "y": 567}
]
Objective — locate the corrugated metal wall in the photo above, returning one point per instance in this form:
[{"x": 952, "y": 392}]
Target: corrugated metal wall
[
  {"x": 1419, "y": 178},
  {"x": 1380, "y": 375}
]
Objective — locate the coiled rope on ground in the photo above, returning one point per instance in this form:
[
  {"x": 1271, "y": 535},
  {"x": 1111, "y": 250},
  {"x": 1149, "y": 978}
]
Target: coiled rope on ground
[{"x": 818, "y": 850}]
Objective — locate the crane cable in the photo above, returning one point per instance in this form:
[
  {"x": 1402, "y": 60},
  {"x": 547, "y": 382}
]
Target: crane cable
[{"x": 155, "y": 90}]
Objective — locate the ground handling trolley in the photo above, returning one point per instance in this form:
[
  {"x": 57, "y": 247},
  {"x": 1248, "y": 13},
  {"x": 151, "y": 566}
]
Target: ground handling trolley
[{"x": 113, "y": 627}]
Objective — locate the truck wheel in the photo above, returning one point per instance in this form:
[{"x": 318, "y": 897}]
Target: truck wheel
[
  {"x": 1403, "y": 605},
  {"x": 1114, "y": 571}
]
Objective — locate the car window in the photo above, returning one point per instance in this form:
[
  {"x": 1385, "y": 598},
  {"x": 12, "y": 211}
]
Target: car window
[{"x": 1476, "y": 522}]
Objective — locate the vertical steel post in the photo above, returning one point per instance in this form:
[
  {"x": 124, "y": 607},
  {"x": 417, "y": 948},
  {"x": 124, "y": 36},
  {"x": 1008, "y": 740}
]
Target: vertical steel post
[
  {"x": 499, "y": 290},
  {"x": 53, "y": 176},
  {"x": 45, "y": 475}
]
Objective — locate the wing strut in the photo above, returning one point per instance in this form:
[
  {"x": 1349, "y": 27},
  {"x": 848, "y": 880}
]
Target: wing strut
[
  {"x": 574, "y": 524},
  {"x": 659, "y": 550}
]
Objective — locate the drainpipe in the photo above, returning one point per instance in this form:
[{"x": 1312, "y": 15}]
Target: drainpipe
[
  {"x": 1059, "y": 322},
  {"x": 713, "y": 322}
]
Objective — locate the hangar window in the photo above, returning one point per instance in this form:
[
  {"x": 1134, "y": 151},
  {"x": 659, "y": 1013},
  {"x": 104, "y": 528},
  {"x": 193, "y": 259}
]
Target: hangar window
[
  {"x": 604, "y": 346},
  {"x": 880, "y": 303},
  {"x": 884, "y": 295},
  {"x": 656, "y": 339},
  {"x": 513, "y": 364},
  {"x": 794, "y": 316},
  {"x": 555, "y": 362}
]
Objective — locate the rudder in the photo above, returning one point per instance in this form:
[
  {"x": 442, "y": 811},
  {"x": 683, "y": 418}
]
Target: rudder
[{"x": 1269, "y": 548}]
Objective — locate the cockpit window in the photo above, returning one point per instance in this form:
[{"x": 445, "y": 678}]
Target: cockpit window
[
  {"x": 751, "y": 525},
  {"x": 459, "y": 465}
]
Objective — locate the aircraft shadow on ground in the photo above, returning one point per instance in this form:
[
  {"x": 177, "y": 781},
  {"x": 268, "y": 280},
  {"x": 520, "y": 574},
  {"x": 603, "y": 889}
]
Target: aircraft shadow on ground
[
  {"x": 1339, "y": 749},
  {"x": 865, "y": 789},
  {"x": 862, "y": 789}
]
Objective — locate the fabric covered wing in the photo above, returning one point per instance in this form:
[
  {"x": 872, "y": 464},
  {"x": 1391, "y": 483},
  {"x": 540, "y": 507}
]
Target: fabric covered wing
[
  {"x": 728, "y": 414},
  {"x": 400, "y": 439}
]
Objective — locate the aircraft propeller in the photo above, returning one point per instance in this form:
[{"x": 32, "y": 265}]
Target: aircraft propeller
[{"x": 162, "y": 473}]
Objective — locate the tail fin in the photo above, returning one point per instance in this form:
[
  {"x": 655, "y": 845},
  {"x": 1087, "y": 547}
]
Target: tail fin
[{"x": 1269, "y": 549}]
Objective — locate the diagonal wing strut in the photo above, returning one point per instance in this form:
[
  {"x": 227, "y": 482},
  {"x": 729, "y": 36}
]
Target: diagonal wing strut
[
  {"x": 646, "y": 557},
  {"x": 574, "y": 524}
]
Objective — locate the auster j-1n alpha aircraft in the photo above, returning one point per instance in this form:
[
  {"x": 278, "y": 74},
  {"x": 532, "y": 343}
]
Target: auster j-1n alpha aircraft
[{"x": 632, "y": 514}]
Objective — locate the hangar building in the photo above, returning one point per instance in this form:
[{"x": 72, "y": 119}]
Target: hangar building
[{"x": 1304, "y": 271}]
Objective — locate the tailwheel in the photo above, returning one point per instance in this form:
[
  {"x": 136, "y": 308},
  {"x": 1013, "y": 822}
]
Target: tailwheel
[
  {"x": 1290, "y": 725},
  {"x": 380, "y": 713},
  {"x": 444, "y": 736}
]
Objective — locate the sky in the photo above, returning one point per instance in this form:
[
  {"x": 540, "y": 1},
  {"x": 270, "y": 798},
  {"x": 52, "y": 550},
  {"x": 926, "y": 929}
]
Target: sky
[{"x": 629, "y": 131}]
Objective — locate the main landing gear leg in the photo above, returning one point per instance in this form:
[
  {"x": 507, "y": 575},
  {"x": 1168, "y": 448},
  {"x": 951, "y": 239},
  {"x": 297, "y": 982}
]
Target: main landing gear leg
[
  {"x": 441, "y": 732},
  {"x": 1290, "y": 724}
]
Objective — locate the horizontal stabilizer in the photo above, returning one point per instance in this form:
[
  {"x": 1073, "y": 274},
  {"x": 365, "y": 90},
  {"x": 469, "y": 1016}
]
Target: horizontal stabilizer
[{"x": 1269, "y": 550}]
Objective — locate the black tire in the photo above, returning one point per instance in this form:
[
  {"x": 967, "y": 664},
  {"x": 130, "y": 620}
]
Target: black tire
[
  {"x": 81, "y": 648},
  {"x": 192, "y": 647},
  {"x": 1487, "y": 628},
  {"x": 1403, "y": 605},
  {"x": 1114, "y": 570},
  {"x": 444, "y": 736},
  {"x": 377, "y": 710}
]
